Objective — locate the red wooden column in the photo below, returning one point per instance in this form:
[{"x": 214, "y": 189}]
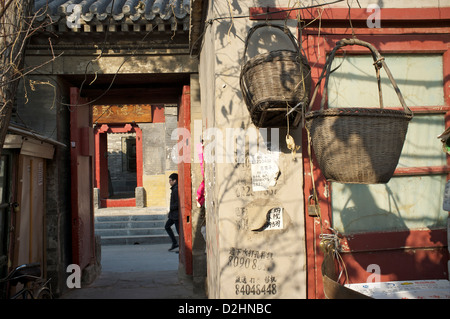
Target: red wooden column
[
  {"x": 185, "y": 186},
  {"x": 101, "y": 161},
  {"x": 139, "y": 157}
]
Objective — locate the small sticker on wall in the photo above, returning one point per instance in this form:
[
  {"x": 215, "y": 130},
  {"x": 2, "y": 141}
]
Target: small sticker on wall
[{"x": 274, "y": 220}]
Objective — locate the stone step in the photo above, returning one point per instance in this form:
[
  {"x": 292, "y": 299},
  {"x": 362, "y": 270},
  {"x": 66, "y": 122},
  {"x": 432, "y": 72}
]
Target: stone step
[
  {"x": 128, "y": 226},
  {"x": 130, "y": 231},
  {"x": 130, "y": 211},
  {"x": 136, "y": 240},
  {"x": 131, "y": 218}
]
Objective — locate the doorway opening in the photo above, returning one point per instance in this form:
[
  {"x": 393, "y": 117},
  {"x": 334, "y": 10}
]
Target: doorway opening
[
  {"x": 118, "y": 164},
  {"x": 122, "y": 180}
]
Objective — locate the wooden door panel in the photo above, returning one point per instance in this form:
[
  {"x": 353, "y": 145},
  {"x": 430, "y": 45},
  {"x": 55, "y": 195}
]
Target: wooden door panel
[{"x": 81, "y": 137}]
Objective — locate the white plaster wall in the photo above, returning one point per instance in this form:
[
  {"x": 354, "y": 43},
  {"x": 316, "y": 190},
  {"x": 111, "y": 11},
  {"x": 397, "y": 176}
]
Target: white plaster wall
[{"x": 243, "y": 263}]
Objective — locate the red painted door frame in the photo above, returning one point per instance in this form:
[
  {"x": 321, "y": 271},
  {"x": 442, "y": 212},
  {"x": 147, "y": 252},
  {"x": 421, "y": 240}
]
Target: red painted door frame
[
  {"x": 185, "y": 185},
  {"x": 101, "y": 162},
  {"x": 399, "y": 256},
  {"x": 81, "y": 162}
]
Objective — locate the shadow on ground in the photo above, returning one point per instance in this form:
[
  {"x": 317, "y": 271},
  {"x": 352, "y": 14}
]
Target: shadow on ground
[{"x": 138, "y": 272}]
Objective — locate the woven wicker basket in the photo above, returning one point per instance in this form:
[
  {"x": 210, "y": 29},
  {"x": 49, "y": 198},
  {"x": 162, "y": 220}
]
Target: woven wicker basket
[
  {"x": 358, "y": 145},
  {"x": 275, "y": 83}
]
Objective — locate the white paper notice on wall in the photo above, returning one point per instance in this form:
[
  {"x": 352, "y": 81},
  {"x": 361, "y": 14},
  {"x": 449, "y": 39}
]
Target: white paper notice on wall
[
  {"x": 265, "y": 171},
  {"x": 446, "y": 205}
]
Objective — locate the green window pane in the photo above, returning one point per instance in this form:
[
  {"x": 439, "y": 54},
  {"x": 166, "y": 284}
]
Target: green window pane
[
  {"x": 405, "y": 203},
  {"x": 410, "y": 202},
  {"x": 422, "y": 147},
  {"x": 419, "y": 77}
]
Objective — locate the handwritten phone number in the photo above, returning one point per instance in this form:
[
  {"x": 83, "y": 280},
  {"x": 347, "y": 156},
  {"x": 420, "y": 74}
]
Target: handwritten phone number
[
  {"x": 256, "y": 290},
  {"x": 243, "y": 262}
]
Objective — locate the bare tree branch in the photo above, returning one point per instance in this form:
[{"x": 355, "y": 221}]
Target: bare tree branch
[
  {"x": 16, "y": 27},
  {"x": 5, "y": 7}
]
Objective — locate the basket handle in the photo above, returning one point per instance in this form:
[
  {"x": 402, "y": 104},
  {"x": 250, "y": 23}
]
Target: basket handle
[
  {"x": 378, "y": 63},
  {"x": 262, "y": 25}
]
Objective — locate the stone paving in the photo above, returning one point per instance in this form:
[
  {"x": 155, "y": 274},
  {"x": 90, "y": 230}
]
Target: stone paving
[{"x": 138, "y": 272}]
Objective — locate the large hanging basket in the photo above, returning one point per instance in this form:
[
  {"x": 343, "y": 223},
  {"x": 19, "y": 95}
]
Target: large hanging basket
[
  {"x": 275, "y": 85},
  {"x": 358, "y": 145}
]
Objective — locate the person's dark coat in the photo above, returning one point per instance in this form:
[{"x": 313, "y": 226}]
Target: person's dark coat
[{"x": 174, "y": 203}]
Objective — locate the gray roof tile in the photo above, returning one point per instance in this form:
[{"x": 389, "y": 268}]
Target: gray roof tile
[{"x": 92, "y": 10}]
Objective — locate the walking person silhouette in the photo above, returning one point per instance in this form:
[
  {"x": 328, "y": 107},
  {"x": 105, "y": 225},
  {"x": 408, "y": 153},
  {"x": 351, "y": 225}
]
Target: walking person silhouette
[{"x": 173, "y": 216}]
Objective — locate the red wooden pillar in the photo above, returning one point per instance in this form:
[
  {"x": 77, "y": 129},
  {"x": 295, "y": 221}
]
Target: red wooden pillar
[
  {"x": 101, "y": 161},
  {"x": 185, "y": 187},
  {"x": 139, "y": 157}
]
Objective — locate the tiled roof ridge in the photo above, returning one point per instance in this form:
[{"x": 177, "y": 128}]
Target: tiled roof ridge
[{"x": 117, "y": 9}]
